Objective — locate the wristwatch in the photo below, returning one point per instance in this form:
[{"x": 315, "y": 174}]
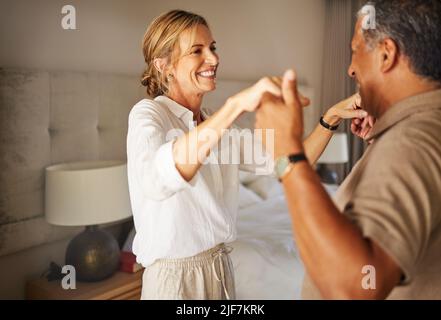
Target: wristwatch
[
  {"x": 284, "y": 165},
  {"x": 327, "y": 125}
]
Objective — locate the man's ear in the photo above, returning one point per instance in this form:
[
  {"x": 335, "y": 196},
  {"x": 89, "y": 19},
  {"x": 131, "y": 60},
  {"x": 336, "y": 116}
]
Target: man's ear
[
  {"x": 160, "y": 64},
  {"x": 389, "y": 54}
]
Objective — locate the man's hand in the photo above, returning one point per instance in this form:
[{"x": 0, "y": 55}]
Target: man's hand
[
  {"x": 285, "y": 116},
  {"x": 249, "y": 99}
]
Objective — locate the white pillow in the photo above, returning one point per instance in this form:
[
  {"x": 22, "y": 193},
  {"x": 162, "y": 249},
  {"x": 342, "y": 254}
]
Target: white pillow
[
  {"x": 331, "y": 189},
  {"x": 247, "y": 197},
  {"x": 266, "y": 187},
  {"x": 247, "y": 177}
]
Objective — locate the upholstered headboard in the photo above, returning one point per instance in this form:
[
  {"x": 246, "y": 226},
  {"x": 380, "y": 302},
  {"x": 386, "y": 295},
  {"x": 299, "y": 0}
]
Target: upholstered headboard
[
  {"x": 227, "y": 88},
  {"x": 49, "y": 117},
  {"x": 52, "y": 117}
]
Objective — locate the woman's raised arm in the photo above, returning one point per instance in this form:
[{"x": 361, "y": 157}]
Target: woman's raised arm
[
  {"x": 191, "y": 149},
  {"x": 317, "y": 141}
]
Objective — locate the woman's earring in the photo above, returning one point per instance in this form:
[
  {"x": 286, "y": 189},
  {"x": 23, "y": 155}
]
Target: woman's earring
[{"x": 169, "y": 77}]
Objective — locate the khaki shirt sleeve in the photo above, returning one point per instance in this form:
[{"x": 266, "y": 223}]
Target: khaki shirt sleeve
[{"x": 393, "y": 201}]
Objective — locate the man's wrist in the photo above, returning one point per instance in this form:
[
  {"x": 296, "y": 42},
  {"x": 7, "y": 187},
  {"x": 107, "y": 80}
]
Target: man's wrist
[
  {"x": 285, "y": 164},
  {"x": 291, "y": 147}
]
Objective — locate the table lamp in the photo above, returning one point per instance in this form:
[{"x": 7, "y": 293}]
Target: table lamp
[
  {"x": 335, "y": 153},
  {"x": 89, "y": 194}
]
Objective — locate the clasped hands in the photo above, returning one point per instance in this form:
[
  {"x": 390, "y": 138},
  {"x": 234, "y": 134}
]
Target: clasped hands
[{"x": 281, "y": 109}]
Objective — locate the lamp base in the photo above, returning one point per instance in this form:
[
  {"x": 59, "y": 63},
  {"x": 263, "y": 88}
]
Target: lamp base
[{"x": 94, "y": 253}]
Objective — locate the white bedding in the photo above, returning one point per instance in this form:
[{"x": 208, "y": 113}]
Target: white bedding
[
  {"x": 267, "y": 265},
  {"x": 266, "y": 262}
]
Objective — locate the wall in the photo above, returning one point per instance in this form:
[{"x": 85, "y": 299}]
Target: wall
[{"x": 255, "y": 38}]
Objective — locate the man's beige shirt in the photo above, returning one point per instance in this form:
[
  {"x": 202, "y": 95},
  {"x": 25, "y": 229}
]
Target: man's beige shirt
[{"x": 393, "y": 195}]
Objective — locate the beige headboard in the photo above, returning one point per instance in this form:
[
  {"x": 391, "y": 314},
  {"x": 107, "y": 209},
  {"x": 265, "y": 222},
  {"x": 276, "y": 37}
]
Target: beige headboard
[
  {"x": 52, "y": 117},
  {"x": 49, "y": 117}
]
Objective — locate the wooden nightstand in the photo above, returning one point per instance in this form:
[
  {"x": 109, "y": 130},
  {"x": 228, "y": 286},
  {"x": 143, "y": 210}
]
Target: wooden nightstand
[{"x": 121, "y": 286}]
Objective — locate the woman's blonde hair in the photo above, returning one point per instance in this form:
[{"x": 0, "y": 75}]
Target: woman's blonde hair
[{"x": 159, "y": 41}]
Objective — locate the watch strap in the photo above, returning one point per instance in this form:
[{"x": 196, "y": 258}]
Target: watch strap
[{"x": 293, "y": 159}]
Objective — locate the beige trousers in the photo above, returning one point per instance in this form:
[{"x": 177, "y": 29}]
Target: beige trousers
[{"x": 206, "y": 276}]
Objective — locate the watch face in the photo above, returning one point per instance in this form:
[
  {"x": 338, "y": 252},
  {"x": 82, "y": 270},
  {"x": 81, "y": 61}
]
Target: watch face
[{"x": 281, "y": 165}]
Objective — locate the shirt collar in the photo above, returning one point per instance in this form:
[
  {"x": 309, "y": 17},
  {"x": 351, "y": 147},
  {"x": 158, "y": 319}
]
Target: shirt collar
[
  {"x": 180, "y": 111},
  {"x": 404, "y": 109}
]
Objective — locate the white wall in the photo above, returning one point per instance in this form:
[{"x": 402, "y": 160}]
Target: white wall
[{"x": 255, "y": 38}]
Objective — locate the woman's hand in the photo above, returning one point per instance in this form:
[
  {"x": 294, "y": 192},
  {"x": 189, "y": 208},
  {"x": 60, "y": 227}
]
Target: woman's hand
[
  {"x": 362, "y": 123},
  {"x": 362, "y": 127},
  {"x": 249, "y": 99},
  {"x": 346, "y": 109}
]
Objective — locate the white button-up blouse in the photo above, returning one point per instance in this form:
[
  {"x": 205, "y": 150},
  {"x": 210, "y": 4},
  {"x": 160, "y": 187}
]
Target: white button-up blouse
[{"x": 174, "y": 218}]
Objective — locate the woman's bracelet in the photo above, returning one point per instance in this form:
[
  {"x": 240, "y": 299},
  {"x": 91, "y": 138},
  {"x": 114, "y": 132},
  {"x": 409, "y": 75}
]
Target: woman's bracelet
[{"x": 328, "y": 126}]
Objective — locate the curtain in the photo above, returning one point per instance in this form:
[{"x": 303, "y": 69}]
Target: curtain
[{"x": 336, "y": 84}]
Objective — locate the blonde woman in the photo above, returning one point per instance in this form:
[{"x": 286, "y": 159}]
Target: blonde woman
[{"x": 184, "y": 211}]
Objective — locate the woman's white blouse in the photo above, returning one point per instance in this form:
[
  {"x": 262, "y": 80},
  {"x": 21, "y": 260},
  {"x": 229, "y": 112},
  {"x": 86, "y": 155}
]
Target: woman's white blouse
[{"x": 174, "y": 218}]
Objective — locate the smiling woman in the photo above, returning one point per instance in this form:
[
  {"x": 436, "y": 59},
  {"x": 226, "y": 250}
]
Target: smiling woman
[
  {"x": 184, "y": 211},
  {"x": 195, "y": 71},
  {"x": 167, "y": 37}
]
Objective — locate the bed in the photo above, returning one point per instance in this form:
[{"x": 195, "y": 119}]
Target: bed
[
  {"x": 266, "y": 262},
  {"x": 265, "y": 259}
]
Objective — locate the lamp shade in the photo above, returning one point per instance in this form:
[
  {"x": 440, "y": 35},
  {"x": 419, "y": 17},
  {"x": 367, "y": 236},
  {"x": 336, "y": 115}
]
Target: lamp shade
[
  {"x": 87, "y": 193},
  {"x": 337, "y": 150}
]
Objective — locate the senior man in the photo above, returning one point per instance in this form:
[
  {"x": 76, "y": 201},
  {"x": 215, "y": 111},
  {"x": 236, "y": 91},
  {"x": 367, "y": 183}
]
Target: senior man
[{"x": 386, "y": 219}]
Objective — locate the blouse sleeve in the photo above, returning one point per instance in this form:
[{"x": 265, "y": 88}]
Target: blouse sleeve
[{"x": 150, "y": 156}]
